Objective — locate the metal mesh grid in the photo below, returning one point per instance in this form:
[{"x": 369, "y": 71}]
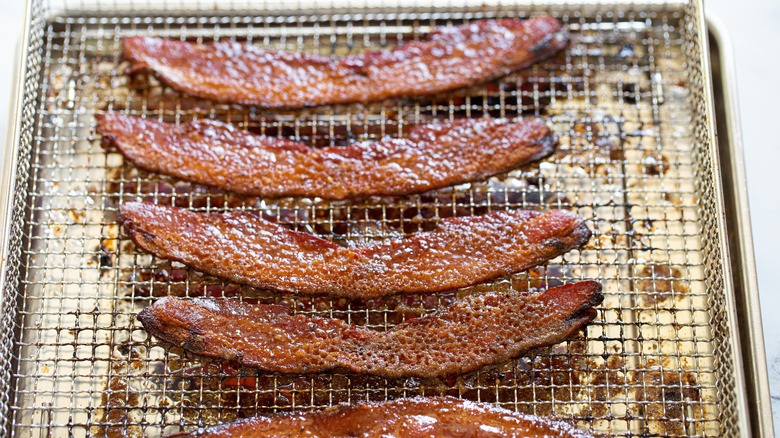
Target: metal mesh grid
[{"x": 622, "y": 99}]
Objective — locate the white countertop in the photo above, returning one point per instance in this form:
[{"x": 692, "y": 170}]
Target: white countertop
[{"x": 754, "y": 27}]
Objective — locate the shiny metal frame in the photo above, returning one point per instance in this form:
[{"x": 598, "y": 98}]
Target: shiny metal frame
[
  {"x": 735, "y": 192},
  {"x": 730, "y": 283}
]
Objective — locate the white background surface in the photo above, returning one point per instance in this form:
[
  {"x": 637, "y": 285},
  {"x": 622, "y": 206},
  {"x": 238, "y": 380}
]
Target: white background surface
[{"x": 754, "y": 27}]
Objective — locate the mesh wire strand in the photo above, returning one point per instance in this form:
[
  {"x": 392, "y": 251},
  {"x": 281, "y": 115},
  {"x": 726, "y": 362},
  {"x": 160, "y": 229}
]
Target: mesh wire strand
[
  {"x": 15, "y": 239},
  {"x": 627, "y": 102}
]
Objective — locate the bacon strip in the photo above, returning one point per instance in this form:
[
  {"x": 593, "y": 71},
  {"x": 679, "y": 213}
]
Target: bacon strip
[
  {"x": 248, "y": 250},
  {"x": 473, "y": 332},
  {"x": 406, "y": 417},
  {"x": 453, "y": 57},
  {"x": 433, "y": 156}
]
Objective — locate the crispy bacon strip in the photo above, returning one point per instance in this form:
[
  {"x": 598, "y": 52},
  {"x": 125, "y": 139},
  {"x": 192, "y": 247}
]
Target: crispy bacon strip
[
  {"x": 245, "y": 249},
  {"x": 451, "y": 58},
  {"x": 407, "y": 417},
  {"x": 433, "y": 156},
  {"x": 475, "y": 331}
]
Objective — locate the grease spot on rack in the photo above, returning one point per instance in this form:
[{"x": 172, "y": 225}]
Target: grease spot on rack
[
  {"x": 655, "y": 165},
  {"x": 76, "y": 216},
  {"x": 117, "y": 402},
  {"x": 658, "y": 283},
  {"x": 664, "y": 393}
]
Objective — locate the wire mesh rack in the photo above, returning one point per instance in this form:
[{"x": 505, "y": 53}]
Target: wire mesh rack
[{"x": 627, "y": 98}]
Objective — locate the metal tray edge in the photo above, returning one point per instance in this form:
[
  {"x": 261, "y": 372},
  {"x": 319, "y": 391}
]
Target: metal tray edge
[
  {"x": 8, "y": 179},
  {"x": 739, "y": 229},
  {"x": 9, "y": 157}
]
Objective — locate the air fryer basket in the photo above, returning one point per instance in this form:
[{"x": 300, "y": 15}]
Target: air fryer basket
[{"x": 630, "y": 99}]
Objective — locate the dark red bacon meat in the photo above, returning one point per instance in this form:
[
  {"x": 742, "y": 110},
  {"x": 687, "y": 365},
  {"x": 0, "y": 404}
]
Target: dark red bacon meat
[
  {"x": 418, "y": 417},
  {"x": 432, "y": 156},
  {"x": 461, "y": 251},
  {"x": 472, "y": 332},
  {"x": 452, "y": 57}
]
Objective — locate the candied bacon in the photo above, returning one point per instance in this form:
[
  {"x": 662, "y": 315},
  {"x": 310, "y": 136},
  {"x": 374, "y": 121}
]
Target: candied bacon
[
  {"x": 432, "y": 156},
  {"x": 407, "y": 417},
  {"x": 459, "y": 252},
  {"x": 452, "y": 57},
  {"x": 472, "y": 332}
]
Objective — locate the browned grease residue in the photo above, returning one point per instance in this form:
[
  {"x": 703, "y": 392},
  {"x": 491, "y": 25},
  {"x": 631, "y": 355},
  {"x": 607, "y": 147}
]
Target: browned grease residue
[
  {"x": 76, "y": 216},
  {"x": 591, "y": 147},
  {"x": 666, "y": 397},
  {"x": 660, "y": 282},
  {"x": 550, "y": 379},
  {"x": 117, "y": 401},
  {"x": 655, "y": 165},
  {"x": 551, "y": 382}
]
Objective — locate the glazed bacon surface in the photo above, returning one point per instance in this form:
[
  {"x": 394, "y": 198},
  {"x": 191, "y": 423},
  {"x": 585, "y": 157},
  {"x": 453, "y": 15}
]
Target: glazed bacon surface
[
  {"x": 406, "y": 417},
  {"x": 460, "y": 252},
  {"x": 452, "y": 57},
  {"x": 432, "y": 156},
  {"x": 472, "y": 332}
]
